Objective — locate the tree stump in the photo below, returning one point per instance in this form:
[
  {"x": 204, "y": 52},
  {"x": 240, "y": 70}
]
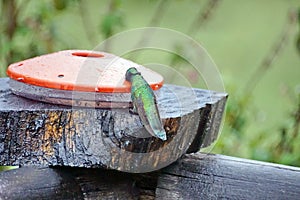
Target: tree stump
[{"x": 41, "y": 134}]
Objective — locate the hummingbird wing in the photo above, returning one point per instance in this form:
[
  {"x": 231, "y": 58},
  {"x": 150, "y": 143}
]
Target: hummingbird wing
[{"x": 150, "y": 117}]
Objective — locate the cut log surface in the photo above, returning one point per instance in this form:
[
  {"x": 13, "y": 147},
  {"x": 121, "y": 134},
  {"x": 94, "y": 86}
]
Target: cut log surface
[
  {"x": 41, "y": 134},
  {"x": 194, "y": 176}
]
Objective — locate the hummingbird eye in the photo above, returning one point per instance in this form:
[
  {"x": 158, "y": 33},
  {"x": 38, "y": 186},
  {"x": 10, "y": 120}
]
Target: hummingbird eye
[{"x": 128, "y": 75}]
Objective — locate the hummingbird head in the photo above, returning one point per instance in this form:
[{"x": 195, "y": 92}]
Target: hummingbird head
[{"x": 131, "y": 72}]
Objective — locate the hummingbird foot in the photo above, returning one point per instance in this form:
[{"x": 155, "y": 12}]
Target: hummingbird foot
[{"x": 133, "y": 111}]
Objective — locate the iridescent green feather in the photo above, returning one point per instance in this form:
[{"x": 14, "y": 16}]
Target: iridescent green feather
[{"x": 144, "y": 103}]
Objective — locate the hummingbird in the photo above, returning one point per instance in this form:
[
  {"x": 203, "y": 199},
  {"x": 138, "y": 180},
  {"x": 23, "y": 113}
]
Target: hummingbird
[{"x": 144, "y": 103}]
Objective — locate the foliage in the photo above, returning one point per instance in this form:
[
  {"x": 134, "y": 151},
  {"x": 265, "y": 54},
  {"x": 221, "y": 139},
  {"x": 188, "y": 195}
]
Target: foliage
[
  {"x": 298, "y": 39},
  {"x": 112, "y": 20},
  {"x": 283, "y": 145},
  {"x": 22, "y": 30},
  {"x": 31, "y": 28}
]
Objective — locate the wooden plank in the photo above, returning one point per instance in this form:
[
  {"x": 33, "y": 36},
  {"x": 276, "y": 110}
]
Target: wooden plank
[
  {"x": 35, "y": 133},
  {"x": 201, "y": 176},
  {"x": 195, "y": 176},
  {"x": 75, "y": 183}
]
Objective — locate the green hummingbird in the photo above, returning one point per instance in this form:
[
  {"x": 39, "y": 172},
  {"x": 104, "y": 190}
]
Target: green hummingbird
[{"x": 144, "y": 103}]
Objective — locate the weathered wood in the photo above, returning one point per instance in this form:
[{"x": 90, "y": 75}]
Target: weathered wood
[
  {"x": 195, "y": 176},
  {"x": 202, "y": 176},
  {"x": 74, "y": 183},
  {"x": 43, "y": 183},
  {"x": 35, "y": 133}
]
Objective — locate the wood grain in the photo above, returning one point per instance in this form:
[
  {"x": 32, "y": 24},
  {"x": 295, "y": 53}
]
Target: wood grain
[
  {"x": 202, "y": 176},
  {"x": 194, "y": 176},
  {"x": 41, "y": 134},
  {"x": 74, "y": 183}
]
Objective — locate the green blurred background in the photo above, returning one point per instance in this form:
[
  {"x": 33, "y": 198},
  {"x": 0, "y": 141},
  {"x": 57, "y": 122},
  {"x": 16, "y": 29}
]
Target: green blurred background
[{"x": 255, "y": 45}]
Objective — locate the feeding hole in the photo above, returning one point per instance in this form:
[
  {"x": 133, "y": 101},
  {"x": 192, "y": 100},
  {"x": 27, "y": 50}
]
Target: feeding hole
[
  {"x": 20, "y": 64},
  {"x": 88, "y": 54},
  {"x": 61, "y": 76}
]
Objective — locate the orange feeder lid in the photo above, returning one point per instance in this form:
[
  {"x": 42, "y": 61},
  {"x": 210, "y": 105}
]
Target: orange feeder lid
[{"x": 80, "y": 70}]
